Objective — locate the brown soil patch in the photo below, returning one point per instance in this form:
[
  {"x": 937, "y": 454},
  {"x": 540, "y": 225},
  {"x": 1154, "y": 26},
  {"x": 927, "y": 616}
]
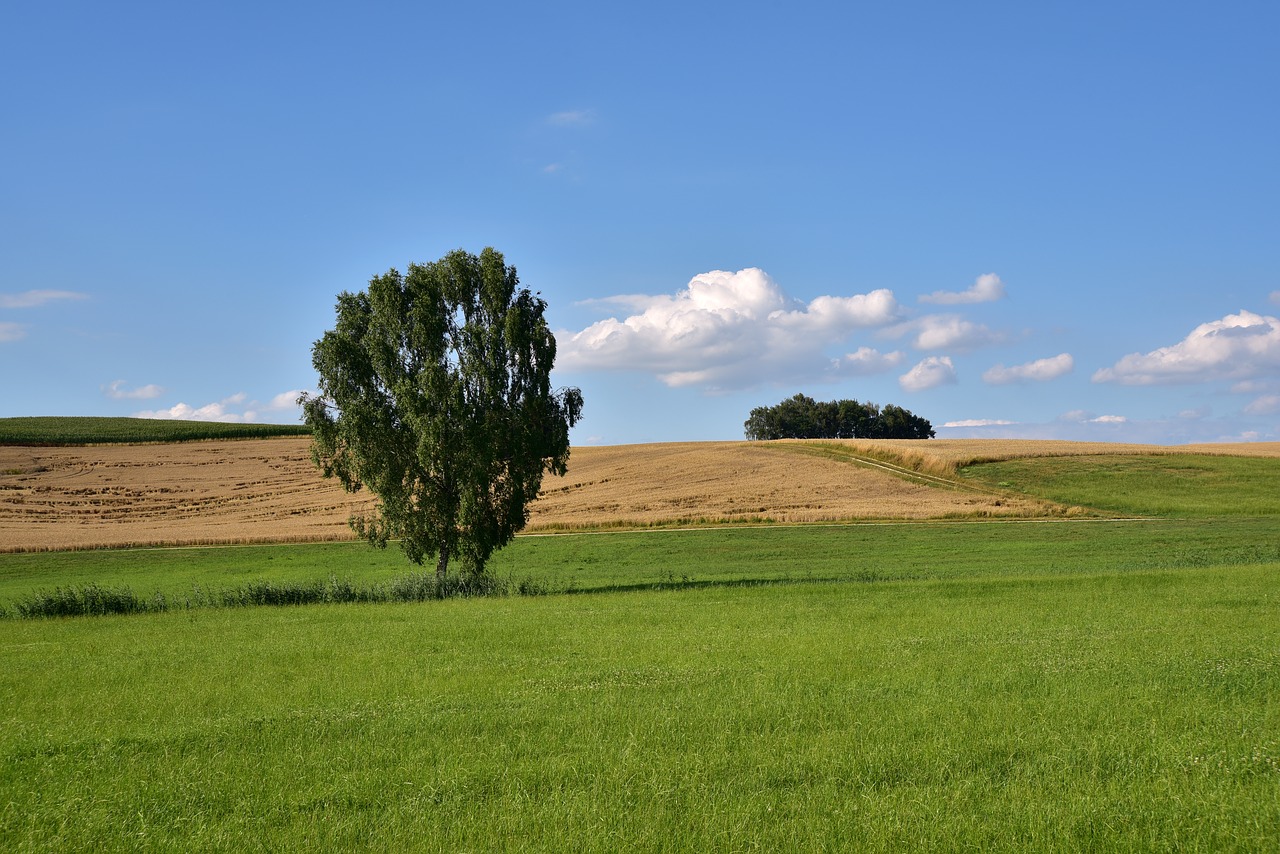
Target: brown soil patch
[{"x": 266, "y": 490}]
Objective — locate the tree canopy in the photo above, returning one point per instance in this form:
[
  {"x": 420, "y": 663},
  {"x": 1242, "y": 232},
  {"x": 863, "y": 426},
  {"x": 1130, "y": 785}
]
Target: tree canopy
[
  {"x": 802, "y": 417},
  {"x": 434, "y": 393}
]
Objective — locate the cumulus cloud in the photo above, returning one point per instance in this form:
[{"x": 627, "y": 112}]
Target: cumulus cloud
[
  {"x": 929, "y": 373},
  {"x": 117, "y": 391},
  {"x": 950, "y": 332},
  {"x": 979, "y": 422},
  {"x": 33, "y": 299},
  {"x": 236, "y": 409},
  {"x": 219, "y": 411},
  {"x": 1240, "y": 346},
  {"x": 1041, "y": 370},
  {"x": 11, "y": 331},
  {"x": 730, "y": 330},
  {"x": 986, "y": 288}
]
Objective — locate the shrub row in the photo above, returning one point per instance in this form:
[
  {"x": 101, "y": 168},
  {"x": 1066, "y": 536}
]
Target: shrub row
[{"x": 94, "y": 600}]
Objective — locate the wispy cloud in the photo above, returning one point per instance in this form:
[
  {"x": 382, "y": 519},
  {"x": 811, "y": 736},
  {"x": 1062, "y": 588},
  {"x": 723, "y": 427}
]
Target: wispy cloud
[
  {"x": 1237, "y": 347},
  {"x": 986, "y": 288},
  {"x": 930, "y": 373},
  {"x": 11, "y": 331},
  {"x": 572, "y": 118},
  {"x": 34, "y": 299},
  {"x": 1268, "y": 404},
  {"x": 1041, "y": 370},
  {"x": 117, "y": 390},
  {"x": 285, "y": 400},
  {"x": 866, "y": 361},
  {"x": 1080, "y": 416},
  {"x": 978, "y": 422},
  {"x": 728, "y": 330}
]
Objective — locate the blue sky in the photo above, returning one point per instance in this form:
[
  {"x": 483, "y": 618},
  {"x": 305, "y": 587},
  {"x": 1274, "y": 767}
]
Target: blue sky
[{"x": 1014, "y": 219}]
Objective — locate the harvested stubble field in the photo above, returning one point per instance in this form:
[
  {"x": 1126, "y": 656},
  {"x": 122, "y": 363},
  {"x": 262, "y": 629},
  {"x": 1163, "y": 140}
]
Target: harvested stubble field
[{"x": 266, "y": 490}]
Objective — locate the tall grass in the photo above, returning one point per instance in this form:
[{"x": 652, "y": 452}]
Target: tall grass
[{"x": 95, "y": 600}]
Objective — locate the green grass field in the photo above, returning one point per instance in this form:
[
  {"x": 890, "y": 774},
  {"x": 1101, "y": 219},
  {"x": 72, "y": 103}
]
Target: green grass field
[
  {"x": 1060, "y": 686},
  {"x": 1182, "y": 485}
]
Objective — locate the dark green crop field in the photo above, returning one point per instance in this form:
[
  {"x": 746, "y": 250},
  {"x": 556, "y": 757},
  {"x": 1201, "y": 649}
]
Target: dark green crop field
[
  {"x": 96, "y": 431},
  {"x": 1046, "y": 686}
]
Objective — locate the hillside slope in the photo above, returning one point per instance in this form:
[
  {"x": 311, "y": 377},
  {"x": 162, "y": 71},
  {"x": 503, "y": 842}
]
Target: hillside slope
[{"x": 264, "y": 490}]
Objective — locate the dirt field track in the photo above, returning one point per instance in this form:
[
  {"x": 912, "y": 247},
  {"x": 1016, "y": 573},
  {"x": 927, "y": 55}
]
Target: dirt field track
[{"x": 265, "y": 490}]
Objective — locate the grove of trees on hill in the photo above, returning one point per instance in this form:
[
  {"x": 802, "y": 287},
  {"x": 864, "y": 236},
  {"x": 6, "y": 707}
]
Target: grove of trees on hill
[{"x": 802, "y": 417}]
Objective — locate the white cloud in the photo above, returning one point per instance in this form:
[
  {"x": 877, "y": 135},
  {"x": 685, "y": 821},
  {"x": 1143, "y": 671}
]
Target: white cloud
[
  {"x": 842, "y": 314},
  {"x": 1240, "y": 346},
  {"x": 929, "y": 373},
  {"x": 949, "y": 331},
  {"x": 32, "y": 299},
  {"x": 11, "y": 331},
  {"x": 1275, "y": 297},
  {"x": 865, "y": 361},
  {"x": 552, "y": 168},
  {"x": 208, "y": 412},
  {"x": 986, "y": 288},
  {"x": 229, "y": 409},
  {"x": 1080, "y": 416},
  {"x": 572, "y": 118},
  {"x": 285, "y": 400},
  {"x": 1041, "y": 370},
  {"x": 1268, "y": 404},
  {"x": 117, "y": 391},
  {"x": 729, "y": 330},
  {"x": 979, "y": 422}
]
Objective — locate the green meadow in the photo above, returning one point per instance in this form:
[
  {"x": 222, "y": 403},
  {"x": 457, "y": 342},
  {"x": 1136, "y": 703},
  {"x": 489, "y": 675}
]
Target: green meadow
[{"x": 1033, "y": 685}]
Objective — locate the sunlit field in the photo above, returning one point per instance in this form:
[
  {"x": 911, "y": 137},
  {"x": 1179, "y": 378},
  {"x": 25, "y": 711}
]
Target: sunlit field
[{"x": 1097, "y": 681}]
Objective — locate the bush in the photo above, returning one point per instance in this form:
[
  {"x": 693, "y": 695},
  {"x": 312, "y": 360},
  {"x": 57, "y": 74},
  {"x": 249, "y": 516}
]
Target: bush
[{"x": 85, "y": 601}]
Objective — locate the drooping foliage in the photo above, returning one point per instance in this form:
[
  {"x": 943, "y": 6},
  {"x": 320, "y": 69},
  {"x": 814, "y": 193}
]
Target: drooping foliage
[
  {"x": 435, "y": 395},
  {"x": 802, "y": 417}
]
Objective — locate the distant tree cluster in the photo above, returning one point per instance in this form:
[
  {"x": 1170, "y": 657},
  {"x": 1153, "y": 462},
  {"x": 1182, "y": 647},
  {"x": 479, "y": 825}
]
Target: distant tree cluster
[{"x": 802, "y": 417}]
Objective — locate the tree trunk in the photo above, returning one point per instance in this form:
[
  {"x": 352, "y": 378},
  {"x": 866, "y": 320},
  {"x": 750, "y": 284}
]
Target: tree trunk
[{"x": 442, "y": 565}]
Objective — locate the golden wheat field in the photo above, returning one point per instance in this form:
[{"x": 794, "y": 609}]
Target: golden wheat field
[{"x": 266, "y": 490}]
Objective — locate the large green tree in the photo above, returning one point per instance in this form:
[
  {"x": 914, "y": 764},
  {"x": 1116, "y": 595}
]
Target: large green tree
[{"x": 435, "y": 394}]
